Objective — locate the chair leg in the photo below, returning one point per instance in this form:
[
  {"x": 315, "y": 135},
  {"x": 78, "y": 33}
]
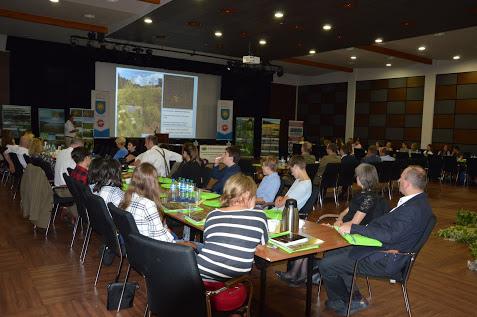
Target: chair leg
[
  {"x": 99, "y": 267},
  {"x": 75, "y": 228},
  {"x": 124, "y": 286},
  {"x": 52, "y": 220},
  {"x": 353, "y": 280},
  {"x": 319, "y": 288},
  {"x": 84, "y": 249},
  {"x": 406, "y": 299},
  {"x": 146, "y": 311},
  {"x": 336, "y": 197},
  {"x": 369, "y": 289},
  {"x": 119, "y": 269}
]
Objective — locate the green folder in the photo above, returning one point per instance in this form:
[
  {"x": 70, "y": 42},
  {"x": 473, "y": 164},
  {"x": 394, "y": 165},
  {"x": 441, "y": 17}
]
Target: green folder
[
  {"x": 274, "y": 213},
  {"x": 207, "y": 196},
  {"x": 166, "y": 186},
  {"x": 357, "y": 239},
  {"x": 125, "y": 186},
  {"x": 212, "y": 203},
  {"x": 164, "y": 180}
]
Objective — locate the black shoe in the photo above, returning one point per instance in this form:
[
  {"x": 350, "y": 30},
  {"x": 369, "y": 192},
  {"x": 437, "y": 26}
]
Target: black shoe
[
  {"x": 336, "y": 305},
  {"x": 290, "y": 281},
  {"x": 316, "y": 279},
  {"x": 356, "y": 306},
  {"x": 108, "y": 257}
]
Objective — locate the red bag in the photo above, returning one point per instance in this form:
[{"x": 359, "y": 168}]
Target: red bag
[{"x": 228, "y": 300}]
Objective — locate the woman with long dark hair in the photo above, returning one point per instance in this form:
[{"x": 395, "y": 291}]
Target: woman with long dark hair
[
  {"x": 191, "y": 167},
  {"x": 104, "y": 176}
]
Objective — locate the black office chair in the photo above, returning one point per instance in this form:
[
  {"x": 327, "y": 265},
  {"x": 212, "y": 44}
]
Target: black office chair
[
  {"x": 80, "y": 206},
  {"x": 402, "y": 276},
  {"x": 246, "y": 167},
  {"x": 102, "y": 223},
  {"x": 309, "y": 206},
  {"x": 166, "y": 292},
  {"x": 418, "y": 159},
  {"x": 311, "y": 169},
  {"x": 17, "y": 175},
  {"x": 346, "y": 178},
  {"x": 58, "y": 201},
  {"x": 449, "y": 168},
  {"x": 126, "y": 225},
  {"x": 359, "y": 154},
  {"x": 471, "y": 170},
  {"x": 385, "y": 175},
  {"x": 435, "y": 163},
  {"x": 329, "y": 180}
]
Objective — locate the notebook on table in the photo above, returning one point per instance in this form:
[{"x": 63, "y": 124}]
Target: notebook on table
[
  {"x": 294, "y": 242},
  {"x": 197, "y": 218}
]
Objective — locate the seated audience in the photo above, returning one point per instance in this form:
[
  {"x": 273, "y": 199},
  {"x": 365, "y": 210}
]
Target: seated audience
[
  {"x": 230, "y": 159},
  {"x": 38, "y": 158},
  {"x": 19, "y": 150},
  {"x": 456, "y": 152},
  {"x": 404, "y": 147},
  {"x": 389, "y": 147},
  {"x": 7, "y": 142},
  {"x": 357, "y": 144},
  {"x": 306, "y": 153},
  {"x": 414, "y": 148},
  {"x": 330, "y": 157},
  {"x": 122, "y": 152},
  {"x": 428, "y": 150},
  {"x": 233, "y": 232},
  {"x": 159, "y": 158},
  {"x": 301, "y": 188},
  {"x": 399, "y": 230},
  {"x": 142, "y": 200},
  {"x": 132, "y": 153},
  {"x": 384, "y": 155},
  {"x": 363, "y": 208},
  {"x": 104, "y": 177},
  {"x": 270, "y": 184},
  {"x": 371, "y": 156},
  {"x": 82, "y": 158},
  {"x": 444, "y": 151},
  {"x": 346, "y": 153},
  {"x": 191, "y": 166},
  {"x": 65, "y": 161}
]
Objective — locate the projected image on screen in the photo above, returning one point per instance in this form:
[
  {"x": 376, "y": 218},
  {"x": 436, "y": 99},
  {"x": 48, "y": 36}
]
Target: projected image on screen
[
  {"x": 139, "y": 97},
  {"x": 148, "y": 100}
]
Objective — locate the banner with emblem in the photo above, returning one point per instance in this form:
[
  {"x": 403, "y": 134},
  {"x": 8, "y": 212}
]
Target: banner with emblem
[
  {"x": 101, "y": 104},
  {"x": 225, "y": 119}
]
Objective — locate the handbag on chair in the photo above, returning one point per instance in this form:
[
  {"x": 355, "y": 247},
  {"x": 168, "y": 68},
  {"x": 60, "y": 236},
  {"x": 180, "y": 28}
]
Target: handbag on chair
[{"x": 114, "y": 294}]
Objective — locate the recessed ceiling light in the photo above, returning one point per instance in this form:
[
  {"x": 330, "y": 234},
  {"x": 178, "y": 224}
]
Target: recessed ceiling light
[
  {"x": 312, "y": 51},
  {"x": 55, "y": 1},
  {"x": 262, "y": 42},
  {"x": 218, "y": 33},
  {"x": 148, "y": 20},
  {"x": 353, "y": 57},
  {"x": 327, "y": 27},
  {"x": 89, "y": 16},
  {"x": 279, "y": 14},
  {"x": 421, "y": 48},
  {"x": 378, "y": 40},
  {"x": 389, "y": 65},
  {"x": 112, "y": 0},
  {"x": 456, "y": 57}
]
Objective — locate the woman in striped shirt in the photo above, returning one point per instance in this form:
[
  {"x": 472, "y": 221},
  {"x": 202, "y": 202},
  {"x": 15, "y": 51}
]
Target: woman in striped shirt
[{"x": 232, "y": 233}]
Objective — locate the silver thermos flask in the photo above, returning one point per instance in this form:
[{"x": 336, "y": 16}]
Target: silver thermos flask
[{"x": 290, "y": 216}]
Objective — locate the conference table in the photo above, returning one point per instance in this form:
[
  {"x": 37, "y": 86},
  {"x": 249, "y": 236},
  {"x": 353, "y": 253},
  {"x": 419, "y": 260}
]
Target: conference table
[{"x": 267, "y": 255}]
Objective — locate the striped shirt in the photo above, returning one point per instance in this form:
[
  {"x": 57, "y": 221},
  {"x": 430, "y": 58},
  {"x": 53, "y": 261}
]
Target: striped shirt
[{"x": 230, "y": 240}]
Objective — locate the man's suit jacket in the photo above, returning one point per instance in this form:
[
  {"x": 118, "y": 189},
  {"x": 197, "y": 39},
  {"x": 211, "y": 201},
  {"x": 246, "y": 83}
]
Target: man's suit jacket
[
  {"x": 399, "y": 230},
  {"x": 349, "y": 159},
  {"x": 333, "y": 158}
]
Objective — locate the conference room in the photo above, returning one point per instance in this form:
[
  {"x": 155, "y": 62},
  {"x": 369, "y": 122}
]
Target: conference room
[{"x": 223, "y": 158}]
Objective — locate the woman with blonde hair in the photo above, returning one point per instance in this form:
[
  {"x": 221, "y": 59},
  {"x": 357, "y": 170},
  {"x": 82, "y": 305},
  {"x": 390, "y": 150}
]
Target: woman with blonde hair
[
  {"x": 38, "y": 158},
  {"x": 122, "y": 152},
  {"x": 233, "y": 232},
  {"x": 142, "y": 200},
  {"x": 306, "y": 152}
]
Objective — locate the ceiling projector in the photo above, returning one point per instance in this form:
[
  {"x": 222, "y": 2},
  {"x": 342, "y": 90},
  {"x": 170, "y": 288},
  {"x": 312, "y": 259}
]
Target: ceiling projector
[{"x": 249, "y": 59}]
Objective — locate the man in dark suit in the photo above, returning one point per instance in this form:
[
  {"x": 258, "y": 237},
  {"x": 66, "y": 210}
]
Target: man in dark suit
[
  {"x": 399, "y": 230},
  {"x": 348, "y": 164}
]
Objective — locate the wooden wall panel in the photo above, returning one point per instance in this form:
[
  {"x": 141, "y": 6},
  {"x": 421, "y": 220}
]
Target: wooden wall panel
[
  {"x": 377, "y": 108},
  {"x": 363, "y": 95},
  {"x": 396, "y": 94},
  {"x": 467, "y": 78},
  {"x": 412, "y": 134},
  {"x": 361, "y": 120},
  {"x": 417, "y": 81},
  {"x": 443, "y": 121},
  {"x": 446, "y": 92},
  {"x": 395, "y": 121},
  {"x": 376, "y": 133},
  {"x": 466, "y": 106},
  {"x": 380, "y": 84},
  {"x": 414, "y": 107},
  {"x": 465, "y": 136}
]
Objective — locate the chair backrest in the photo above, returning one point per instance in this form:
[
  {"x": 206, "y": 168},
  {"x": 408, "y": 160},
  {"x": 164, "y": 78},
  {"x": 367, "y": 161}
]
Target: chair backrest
[
  {"x": 330, "y": 175},
  {"x": 311, "y": 169},
  {"x": 308, "y": 206},
  {"x": 69, "y": 169},
  {"x": 27, "y": 158},
  {"x": 359, "y": 154},
  {"x": 246, "y": 167},
  {"x": 101, "y": 222},
  {"x": 450, "y": 164},
  {"x": 77, "y": 196},
  {"x": 385, "y": 170},
  {"x": 472, "y": 167},
  {"x": 436, "y": 163},
  {"x": 402, "y": 155},
  {"x": 346, "y": 176},
  {"x": 124, "y": 221},
  {"x": 16, "y": 163},
  {"x": 172, "y": 276}
]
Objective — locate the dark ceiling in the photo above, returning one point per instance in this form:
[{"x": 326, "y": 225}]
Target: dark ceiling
[{"x": 190, "y": 24}]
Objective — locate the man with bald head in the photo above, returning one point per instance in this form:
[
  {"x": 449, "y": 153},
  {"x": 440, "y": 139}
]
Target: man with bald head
[
  {"x": 19, "y": 150},
  {"x": 399, "y": 231}
]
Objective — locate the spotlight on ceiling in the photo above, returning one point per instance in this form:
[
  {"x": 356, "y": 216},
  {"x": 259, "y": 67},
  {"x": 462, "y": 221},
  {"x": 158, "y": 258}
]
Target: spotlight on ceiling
[
  {"x": 327, "y": 27},
  {"x": 456, "y": 57},
  {"x": 421, "y": 48},
  {"x": 312, "y": 51},
  {"x": 54, "y": 1},
  {"x": 148, "y": 20},
  {"x": 378, "y": 40},
  {"x": 218, "y": 34},
  {"x": 279, "y": 14},
  {"x": 353, "y": 57},
  {"x": 262, "y": 42},
  {"x": 389, "y": 65}
]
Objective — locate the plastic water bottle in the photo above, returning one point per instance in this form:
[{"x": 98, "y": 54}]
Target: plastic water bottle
[
  {"x": 190, "y": 191},
  {"x": 173, "y": 190}
]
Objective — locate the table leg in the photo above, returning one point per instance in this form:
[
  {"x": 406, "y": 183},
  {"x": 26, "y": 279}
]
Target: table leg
[
  {"x": 309, "y": 285},
  {"x": 262, "y": 265}
]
